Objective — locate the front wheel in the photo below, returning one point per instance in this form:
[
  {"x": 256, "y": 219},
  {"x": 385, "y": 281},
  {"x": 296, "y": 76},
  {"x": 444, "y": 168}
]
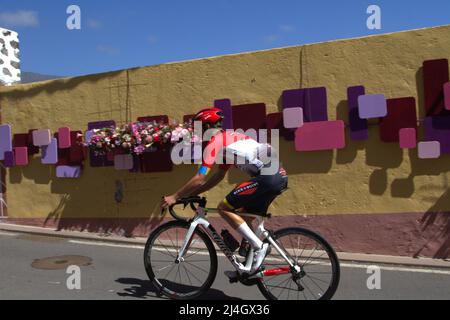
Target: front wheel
[
  {"x": 185, "y": 280},
  {"x": 319, "y": 274}
]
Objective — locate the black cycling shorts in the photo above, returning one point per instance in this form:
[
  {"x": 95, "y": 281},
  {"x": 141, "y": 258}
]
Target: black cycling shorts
[{"x": 256, "y": 195}]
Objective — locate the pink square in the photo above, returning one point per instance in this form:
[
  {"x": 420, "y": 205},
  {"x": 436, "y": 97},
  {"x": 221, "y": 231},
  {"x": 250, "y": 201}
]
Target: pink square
[
  {"x": 42, "y": 138},
  {"x": 123, "y": 162},
  {"x": 21, "y": 156},
  {"x": 293, "y": 118},
  {"x": 319, "y": 136},
  {"x": 64, "y": 138},
  {"x": 408, "y": 138},
  {"x": 447, "y": 95},
  {"x": 429, "y": 150}
]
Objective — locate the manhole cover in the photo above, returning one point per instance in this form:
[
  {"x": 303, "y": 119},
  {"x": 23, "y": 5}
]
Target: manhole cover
[{"x": 61, "y": 262}]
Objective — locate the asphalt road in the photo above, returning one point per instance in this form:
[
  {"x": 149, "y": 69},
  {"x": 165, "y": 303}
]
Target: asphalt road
[{"x": 114, "y": 272}]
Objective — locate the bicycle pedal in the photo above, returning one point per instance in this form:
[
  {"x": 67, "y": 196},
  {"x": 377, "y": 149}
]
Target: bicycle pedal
[{"x": 233, "y": 276}]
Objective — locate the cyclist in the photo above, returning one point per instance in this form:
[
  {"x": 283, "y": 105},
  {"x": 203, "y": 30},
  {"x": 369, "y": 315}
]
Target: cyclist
[{"x": 234, "y": 149}]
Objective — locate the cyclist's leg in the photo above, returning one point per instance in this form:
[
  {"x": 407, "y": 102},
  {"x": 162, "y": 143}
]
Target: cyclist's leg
[
  {"x": 238, "y": 199},
  {"x": 239, "y": 224}
]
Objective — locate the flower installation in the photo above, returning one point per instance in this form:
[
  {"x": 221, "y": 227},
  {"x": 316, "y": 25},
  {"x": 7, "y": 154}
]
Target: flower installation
[{"x": 139, "y": 137}]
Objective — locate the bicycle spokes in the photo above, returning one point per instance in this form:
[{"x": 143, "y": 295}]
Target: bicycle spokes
[{"x": 312, "y": 276}]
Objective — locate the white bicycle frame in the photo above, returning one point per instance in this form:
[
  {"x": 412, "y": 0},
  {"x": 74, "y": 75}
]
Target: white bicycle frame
[{"x": 200, "y": 220}]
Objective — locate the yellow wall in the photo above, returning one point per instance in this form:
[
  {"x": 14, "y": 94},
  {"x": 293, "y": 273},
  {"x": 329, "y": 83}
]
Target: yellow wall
[{"x": 365, "y": 177}]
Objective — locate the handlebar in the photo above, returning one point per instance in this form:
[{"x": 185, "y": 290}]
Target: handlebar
[{"x": 191, "y": 201}]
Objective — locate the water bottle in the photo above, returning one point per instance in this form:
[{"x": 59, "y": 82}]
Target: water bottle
[{"x": 230, "y": 241}]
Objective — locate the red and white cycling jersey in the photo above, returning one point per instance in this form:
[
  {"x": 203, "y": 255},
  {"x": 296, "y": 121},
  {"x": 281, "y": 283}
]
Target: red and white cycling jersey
[{"x": 230, "y": 148}]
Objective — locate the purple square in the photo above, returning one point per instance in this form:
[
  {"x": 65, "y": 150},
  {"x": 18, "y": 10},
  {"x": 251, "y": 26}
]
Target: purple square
[
  {"x": 293, "y": 118},
  {"x": 313, "y": 101},
  {"x": 5, "y": 140},
  {"x": 226, "y": 107},
  {"x": 101, "y": 124},
  {"x": 123, "y": 162},
  {"x": 68, "y": 172},
  {"x": 50, "y": 152},
  {"x": 438, "y": 129},
  {"x": 372, "y": 106},
  {"x": 9, "y": 161},
  {"x": 429, "y": 150},
  {"x": 358, "y": 127}
]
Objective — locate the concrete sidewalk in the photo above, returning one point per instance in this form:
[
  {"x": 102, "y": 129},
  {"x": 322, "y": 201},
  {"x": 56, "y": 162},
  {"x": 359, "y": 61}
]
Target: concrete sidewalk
[{"x": 344, "y": 257}]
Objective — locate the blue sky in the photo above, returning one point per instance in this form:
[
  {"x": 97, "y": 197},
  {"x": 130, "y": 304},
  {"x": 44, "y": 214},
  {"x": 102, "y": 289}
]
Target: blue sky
[{"x": 121, "y": 34}]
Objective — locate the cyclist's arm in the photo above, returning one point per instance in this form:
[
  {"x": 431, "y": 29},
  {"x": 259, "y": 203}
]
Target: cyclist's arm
[
  {"x": 213, "y": 181},
  {"x": 189, "y": 188}
]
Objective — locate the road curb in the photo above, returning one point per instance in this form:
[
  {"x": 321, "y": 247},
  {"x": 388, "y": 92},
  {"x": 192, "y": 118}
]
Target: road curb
[{"x": 343, "y": 257}]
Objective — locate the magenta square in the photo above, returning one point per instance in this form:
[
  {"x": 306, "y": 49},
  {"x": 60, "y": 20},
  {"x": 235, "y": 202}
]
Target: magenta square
[
  {"x": 64, "y": 138},
  {"x": 408, "y": 138},
  {"x": 447, "y": 95},
  {"x": 372, "y": 106},
  {"x": 320, "y": 136},
  {"x": 68, "y": 172},
  {"x": 42, "y": 137},
  {"x": 293, "y": 118},
  {"x": 21, "y": 156},
  {"x": 429, "y": 150},
  {"x": 123, "y": 162}
]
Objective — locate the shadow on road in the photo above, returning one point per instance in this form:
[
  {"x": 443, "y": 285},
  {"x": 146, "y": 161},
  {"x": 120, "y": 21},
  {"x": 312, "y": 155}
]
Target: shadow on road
[{"x": 143, "y": 288}]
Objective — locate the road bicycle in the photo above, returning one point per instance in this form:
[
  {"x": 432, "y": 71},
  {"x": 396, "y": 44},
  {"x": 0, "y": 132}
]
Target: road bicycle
[{"x": 181, "y": 260}]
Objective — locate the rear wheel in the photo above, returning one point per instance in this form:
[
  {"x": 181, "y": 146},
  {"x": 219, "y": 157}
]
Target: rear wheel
[
  {"x": 320, "y": 271},
  {"x": 188, "y": 279}
]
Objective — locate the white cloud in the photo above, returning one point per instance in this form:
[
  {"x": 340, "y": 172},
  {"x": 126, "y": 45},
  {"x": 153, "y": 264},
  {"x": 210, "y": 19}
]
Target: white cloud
[
  {"x": 111, "y": 51},
  {"x": 152, "y": 39},
  {"x": 93, "y": 24},
  {"x": 21, "y": 18},
  {"x": 287, "y": 28}
]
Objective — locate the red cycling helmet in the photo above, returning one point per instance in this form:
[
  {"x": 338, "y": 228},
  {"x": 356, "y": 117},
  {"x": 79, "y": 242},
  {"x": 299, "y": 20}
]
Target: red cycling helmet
[{"x": 212, "y": 116}]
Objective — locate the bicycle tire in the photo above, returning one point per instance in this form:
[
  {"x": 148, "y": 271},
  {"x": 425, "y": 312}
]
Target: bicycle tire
[
  {"x": 335, "y": 265},
  {"x": 157, "y": 284}
]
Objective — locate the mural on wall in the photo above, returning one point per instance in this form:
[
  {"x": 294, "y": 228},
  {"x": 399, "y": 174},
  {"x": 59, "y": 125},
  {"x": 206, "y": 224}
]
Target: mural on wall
[
  {"x": 9, "y": 57},
  {"x": 304, "y": 121}
]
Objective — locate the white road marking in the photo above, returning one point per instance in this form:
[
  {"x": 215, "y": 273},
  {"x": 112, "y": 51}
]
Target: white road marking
[
  {"x": 343, "y": 265},
  {"x": 105, "y": 244},
  {"x": 8, "y": 234},
  {"x": 399, "y": 269}
]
